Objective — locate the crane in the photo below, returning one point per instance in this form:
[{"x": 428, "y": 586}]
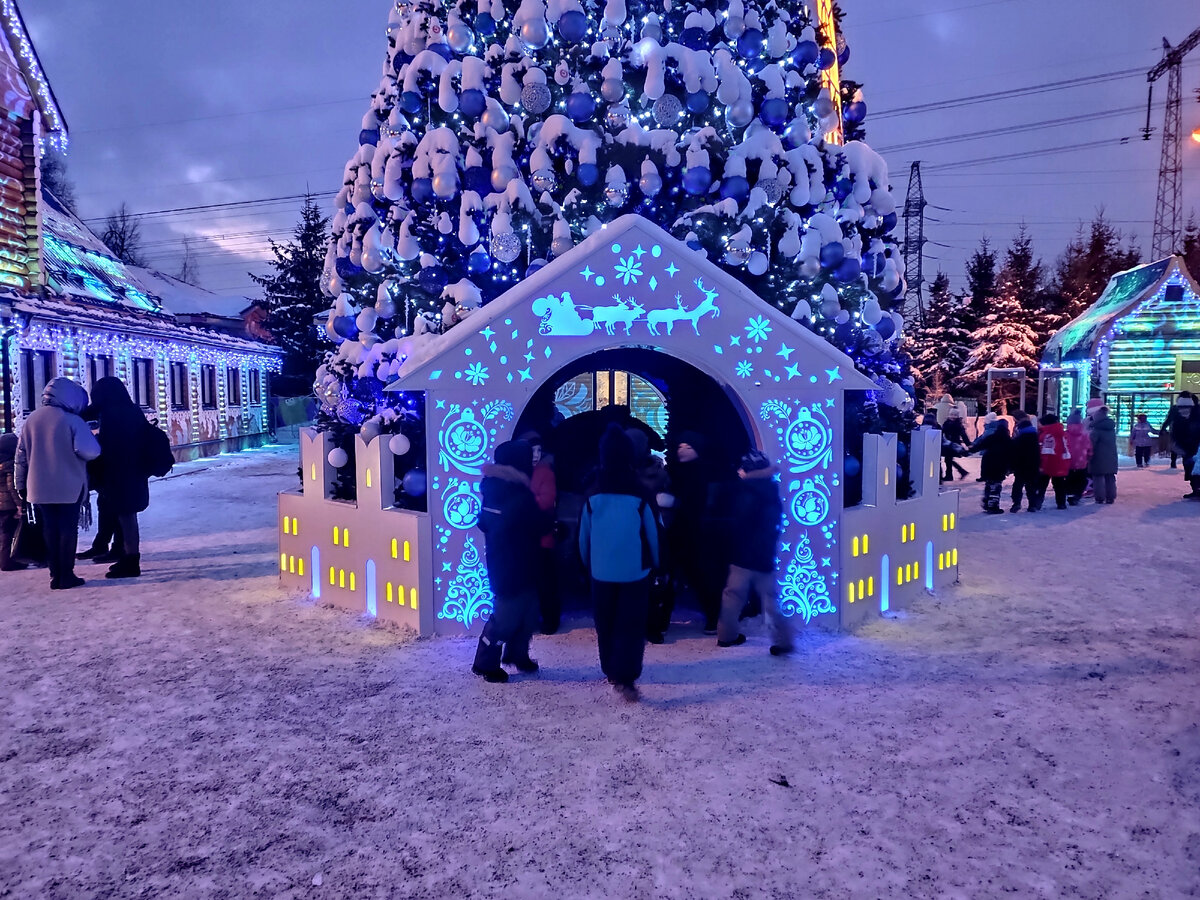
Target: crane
[{"x": 1168, "y": 209}]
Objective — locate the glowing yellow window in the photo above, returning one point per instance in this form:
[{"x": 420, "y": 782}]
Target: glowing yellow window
[
  {"x": 886, "y": 477},
  {"x": 854, "y": 546},
  {"x": 941, "y": 561},
  {"x": 395, "y": 549},
  {"x": 400, "y": 594},
  {"x": 945, "y": 522},
  {"x": 912, "y": 531},
  {"x": 341, "y": 578},
  {"x": 391, "y": 597},
  {"x": 908, "y": 572},
  {"x": 954, "y": 557},
  {"x": 352, "y": 581},
  {"x": 871, "y": 586},
  {"x": 295, "y": 525},
  {"x": 287, "y": 525},
  {"x": 899, "y": 575},
  {"x": 314, "y": 471},
  {"x": 337, "y": 536},
  {"x": 952, "y": 518},
  {"x": 407, "y": 552},
  {"x": 291, "y": 565},
  {"x": 300, "y": 566},
  {"x": 345, "y": 537},
  {"x": 850, "y": 592},
  {"x": 412, "y": 598},
  {"x": 861, "y": 592},
  {"x": 332, "y": 575},
  {"x": 916, "y": 570},
  {"x": 368, "y": 477},
  {"x": 282, "y": 561},
  {"x": 866, "y": 544}
]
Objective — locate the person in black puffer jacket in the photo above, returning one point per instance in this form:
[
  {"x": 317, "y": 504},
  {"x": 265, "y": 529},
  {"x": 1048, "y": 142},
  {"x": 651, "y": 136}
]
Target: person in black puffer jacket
[
  {"x": 124, "y": 486},
  {"x": 1025, "y": 461},
  {"x": 513, "y": 526},
  {"x": 996, "y": 446},
  {"x": 756, "y": 517}
]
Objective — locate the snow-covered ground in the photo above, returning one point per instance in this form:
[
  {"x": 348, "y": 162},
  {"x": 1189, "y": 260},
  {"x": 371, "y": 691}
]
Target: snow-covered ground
[{"x": 1034, "y": 732}]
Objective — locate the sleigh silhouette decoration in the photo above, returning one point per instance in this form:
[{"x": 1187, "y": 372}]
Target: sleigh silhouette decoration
[{"x": 629, "y": 286}]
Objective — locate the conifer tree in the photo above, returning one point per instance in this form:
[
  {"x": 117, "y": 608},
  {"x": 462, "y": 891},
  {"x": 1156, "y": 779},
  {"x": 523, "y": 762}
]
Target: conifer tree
[
  {"x": 1084, "y": 269},
  {"x": 292, "y": 294},
  {"x": 1191, "y": 246},
  {"x": 940, "y": 349},
  {"x": 981, "y": 281}
]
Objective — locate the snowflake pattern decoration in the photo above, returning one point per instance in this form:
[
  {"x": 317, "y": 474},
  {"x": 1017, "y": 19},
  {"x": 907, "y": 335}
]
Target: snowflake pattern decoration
[
  {"x": 629, "y": 270},
  {"x": 758, "y": 329},
  {"x": 476, "y": 373},
  {"x": 744, "y": 369}
]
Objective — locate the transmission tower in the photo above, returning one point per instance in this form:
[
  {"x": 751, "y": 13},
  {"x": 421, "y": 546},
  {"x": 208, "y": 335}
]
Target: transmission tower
[
  {"x": 1168, "y": 209},
  {"x": 914, "y": 248}
]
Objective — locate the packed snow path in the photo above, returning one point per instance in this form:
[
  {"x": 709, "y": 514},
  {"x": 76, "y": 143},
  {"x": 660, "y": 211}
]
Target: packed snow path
[{"x": 196, "y": 733}]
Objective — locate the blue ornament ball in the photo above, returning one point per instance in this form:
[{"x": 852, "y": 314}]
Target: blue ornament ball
[
  {"x": 832, "y": 254},
  {"x": 826, "y": 59},
  {"x": 472, "y": 102},
  {"x": 573, "y": 25},
  {"x": 478, "y": 263},
  {"x": 844, "y": 333},
  {"x": 345, "y": 327},
  {"x": 842, "y": 188},
  {"x": 889, "y": 221},
  {"x": 414, "y": 482},
  {"x": 855, "y": 112},
  {"x": 589, "y": 174},
  {"x": 443, "y": 50},
  {"x": 368, "y": 136},
  {"x": 478, "y": 179},
  {"x": 873, "y": 264},
  {"x": 485, "y": 24},
  {"x": 843, "y": 55},
  {"x": 736, "y": 187},
  {"x": 774, "y": 111},
  {"x": 695, "y": 245},
  {"x": 807, "y": 52},
  {"x": 692, "y": 38},
  {"x": 886, "y": 327},
  {"x": 697, "y": 102},
  {"x": 580, "y": 106},
  {"x": 422, "y": 190},
  {"x": 345, "y": 268},
  {"x": 410, "y": 102},
  {"x": 848, "y": 269},
  {"x": 697, "y": 180},
  {"x": 750, "y": 44},
  {"x": 851, "y": 466}
]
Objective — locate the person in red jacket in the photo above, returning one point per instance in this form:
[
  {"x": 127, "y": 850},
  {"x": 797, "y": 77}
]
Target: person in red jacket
[{"x": 1055, "y": 460}]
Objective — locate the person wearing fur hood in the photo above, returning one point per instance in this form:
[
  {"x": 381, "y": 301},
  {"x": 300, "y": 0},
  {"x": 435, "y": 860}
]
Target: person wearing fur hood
[
  {"x": 757, "y": 511},
  {"x": 513, "y": 526}
]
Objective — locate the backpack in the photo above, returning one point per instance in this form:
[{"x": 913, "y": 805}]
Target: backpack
[
  {"x": 157, "y": 458},
  {"x": 647, "y": 553}
]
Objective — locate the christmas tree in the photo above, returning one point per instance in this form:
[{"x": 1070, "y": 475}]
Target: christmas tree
[
  {"x": 939, "y": 349},
  {"x": 504, "y": 132}
]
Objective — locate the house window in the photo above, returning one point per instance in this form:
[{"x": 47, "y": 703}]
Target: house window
[
  {"x": 144, "y": 388},
  {"x": 233, "y": 387},
  {"x": 255, "y": 387},
  {"x": 98, "y": 367},
  {"x": 179, "y": 386},
  {"x": 208, "y": 387},
  {"x": 38, "y": 368}
]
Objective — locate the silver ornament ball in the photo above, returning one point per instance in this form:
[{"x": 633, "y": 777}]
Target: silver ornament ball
[
  {"x": 535, "y": 98},
  {"x": 612, "y": 89},
  {"x": 741, "y": 113},
  {"x": 543, "y": 180},
  {"x": 505, "y": 247},
  {"x": 535, "y": 34},
  {"x": 667, "y": 109},
  {"x": 616, "y": 193},
  {"x": 616, "y": 117}
]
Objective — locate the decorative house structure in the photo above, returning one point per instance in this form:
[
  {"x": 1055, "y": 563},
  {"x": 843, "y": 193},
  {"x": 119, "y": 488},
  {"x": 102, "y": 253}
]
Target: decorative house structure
[
  {"x": 69, "y": 308},
  {"x": 630, "y": 285},
  {"x": 1134, "y": 347}
]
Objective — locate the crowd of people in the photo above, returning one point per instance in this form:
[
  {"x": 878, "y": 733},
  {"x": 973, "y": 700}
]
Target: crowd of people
[
  {"x": 1077, "y": 460},
  {"x": 647, "y": 529},
  {"x": 69, "y": 447}
]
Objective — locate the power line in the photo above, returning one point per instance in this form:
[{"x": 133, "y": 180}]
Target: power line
[{"x": 153, "y": 213}]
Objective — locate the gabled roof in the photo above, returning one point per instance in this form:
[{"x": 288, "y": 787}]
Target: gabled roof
[
  {"x": 53, "y": 121},
  {"x": 641, "y": 287},
  {"x": 182, "y": 299},
  {"x": 1077, "y": 340}
]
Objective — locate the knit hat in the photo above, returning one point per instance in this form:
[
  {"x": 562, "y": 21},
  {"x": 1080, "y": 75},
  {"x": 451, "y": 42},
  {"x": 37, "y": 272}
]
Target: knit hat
[
  {"x": 1075, "y": 418},
  {"x": 990, "y": 418},
  {"x": 517, "y": 455},
  {"x": 8, "y": 447},
  {"x": 616, "y": 449},
  {"x": 640, "y": 441},
  {"x": 1185, "y": 401},
  {"x": 755, "y": 460}
]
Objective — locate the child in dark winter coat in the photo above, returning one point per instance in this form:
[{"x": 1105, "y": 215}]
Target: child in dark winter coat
[
  {"x": 996, "y": 446},
  {"x": 1025, "y": 462},
  {"x": 1104, "y": 463},
  {"x": 757, "y": 514},
  {"x": 11, "y": 507},
  {"x": 513, "y": 527}
]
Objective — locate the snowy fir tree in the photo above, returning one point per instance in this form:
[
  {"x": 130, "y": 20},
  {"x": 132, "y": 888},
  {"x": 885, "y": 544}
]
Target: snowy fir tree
[
  {"x": 1084, "y": 269},
  {"x": 981, "y": 282},
  {"x": 1191, "y": 246},
  {"x": 292, "y": 294},
  {"x": 504, "y": 132},
  {"x": 1007, "y": 336},
  {"x": 939, "y": 349}
]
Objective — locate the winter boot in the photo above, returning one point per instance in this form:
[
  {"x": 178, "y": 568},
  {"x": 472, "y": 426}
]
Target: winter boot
[
  {"x": 126, "y": 567},
  {"x": 107, "y": 556},
  {"x": 491, "y": 676}
]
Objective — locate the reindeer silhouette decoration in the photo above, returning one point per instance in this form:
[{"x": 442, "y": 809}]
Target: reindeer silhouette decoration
[
  {"x": 626, "y": 312},
  {"x": 669, "y": 317}
]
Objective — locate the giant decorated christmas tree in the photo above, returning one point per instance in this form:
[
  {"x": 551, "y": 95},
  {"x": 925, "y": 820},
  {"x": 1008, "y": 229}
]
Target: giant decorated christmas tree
[{"x": 504, "y": 132}]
